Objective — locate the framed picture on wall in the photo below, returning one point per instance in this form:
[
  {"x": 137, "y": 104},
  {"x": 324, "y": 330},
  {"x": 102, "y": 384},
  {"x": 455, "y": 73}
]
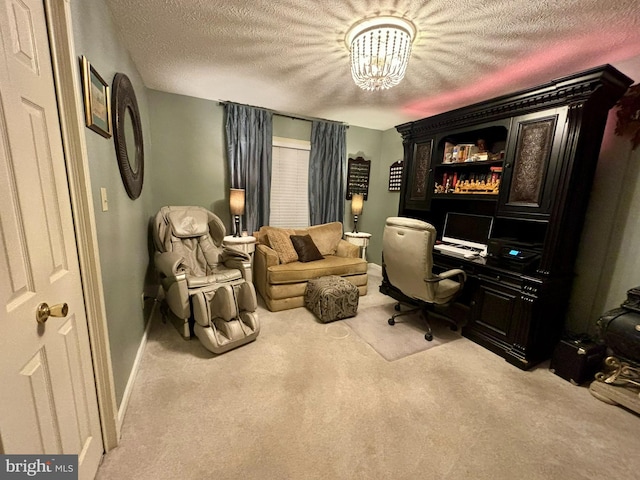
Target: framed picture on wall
[
  {"x": 358, "y": 177},
  {"x": 395, "y": 176},
  {"x": 97, "y": 100}
]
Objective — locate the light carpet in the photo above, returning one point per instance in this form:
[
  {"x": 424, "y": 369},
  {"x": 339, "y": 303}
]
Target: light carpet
[
  {"x": 309, "y": 401},
  {"x": 404, "y": 338}
]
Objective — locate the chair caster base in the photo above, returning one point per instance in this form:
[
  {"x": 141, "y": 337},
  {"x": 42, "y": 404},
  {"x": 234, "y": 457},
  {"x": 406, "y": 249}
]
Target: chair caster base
[
  {"x": 396, "y": 307},
  {"x": 391, "y": 321},
  {"x": 454, "y": 328},
  {"x": 428, "y": 337}
]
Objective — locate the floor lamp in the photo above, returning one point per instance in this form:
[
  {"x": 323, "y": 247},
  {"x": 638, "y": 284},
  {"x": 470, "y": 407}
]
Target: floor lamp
[{"x": 236, "y": 206}]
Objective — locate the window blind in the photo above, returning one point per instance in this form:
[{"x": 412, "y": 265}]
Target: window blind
[{"x": 289, "y": 184}]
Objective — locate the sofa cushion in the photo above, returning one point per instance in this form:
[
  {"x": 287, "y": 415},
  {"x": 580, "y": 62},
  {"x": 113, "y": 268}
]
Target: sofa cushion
[
  {"x": 282, "y": 291},
  {"x": 281, "y": 243},
  {"x": 326, "y": 237},
  {"x": 302, "y": 272},
  {"x": 262, "y": 235},
  {"x": 305, "y": 248}
]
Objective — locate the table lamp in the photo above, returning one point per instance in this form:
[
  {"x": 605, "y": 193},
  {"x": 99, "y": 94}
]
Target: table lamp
[
  {"x": 236, "y": 206},
  {"x": 357, "y": 202}
]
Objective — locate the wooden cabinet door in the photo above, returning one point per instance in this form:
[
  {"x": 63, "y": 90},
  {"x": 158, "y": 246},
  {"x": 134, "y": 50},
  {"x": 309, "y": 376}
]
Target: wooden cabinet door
[
  {"x": 418, "y": 181},
  {"x": 531, "y": 167},
  {"x": 493, "y": 309}
]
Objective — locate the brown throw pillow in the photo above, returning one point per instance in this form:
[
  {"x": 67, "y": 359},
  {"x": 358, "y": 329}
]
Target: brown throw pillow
[
  {"x": 306, "y": 249},
  {"x": 280, "y": 242}
]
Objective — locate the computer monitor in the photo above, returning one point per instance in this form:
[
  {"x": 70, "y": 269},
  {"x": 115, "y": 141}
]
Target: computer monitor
[{"x": 468, "y": 230}]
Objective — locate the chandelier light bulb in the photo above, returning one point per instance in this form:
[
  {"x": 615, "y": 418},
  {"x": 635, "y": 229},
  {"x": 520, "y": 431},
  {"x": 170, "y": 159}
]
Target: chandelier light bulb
[{"x": 379, "y": 51}]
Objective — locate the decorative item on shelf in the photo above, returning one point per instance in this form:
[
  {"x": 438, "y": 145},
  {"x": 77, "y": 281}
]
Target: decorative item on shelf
[
  {"x": 357, "y": 204},
  {"x": 448, "y": 152},
  {"x": 236, "y": 207},
  {"x": 480, "y": 184},
  {"x": 478, "y": 153},
  {"x": 97, "y": 100},
  {"x": 462, "y": 152},
  {"x": 395, "y": 176},
  {"x": 629, "y": 115},
  {"x": 496, "y": 156},
  {"x": 379, "y": 50},
  {"x": 475, "y": 183}
]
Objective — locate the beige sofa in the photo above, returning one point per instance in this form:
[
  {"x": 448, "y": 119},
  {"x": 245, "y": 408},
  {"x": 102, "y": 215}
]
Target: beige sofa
[{"x": 281, "y": 278}]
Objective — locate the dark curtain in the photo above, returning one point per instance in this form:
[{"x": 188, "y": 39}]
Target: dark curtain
[
  {"x": 327, "y": 172},
  {"x": 249, "y": 133}
]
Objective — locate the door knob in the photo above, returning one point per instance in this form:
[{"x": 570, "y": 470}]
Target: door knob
[{"x": 44, "y": 311}]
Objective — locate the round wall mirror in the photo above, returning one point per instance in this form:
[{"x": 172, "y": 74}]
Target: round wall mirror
[
  {"x": 127, "y": 133},
  {"x": 130, "y": 140}
]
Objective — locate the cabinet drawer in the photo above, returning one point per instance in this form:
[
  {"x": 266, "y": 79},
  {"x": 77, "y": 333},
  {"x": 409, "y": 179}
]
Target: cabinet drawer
[{"x": 501, "y": 280}]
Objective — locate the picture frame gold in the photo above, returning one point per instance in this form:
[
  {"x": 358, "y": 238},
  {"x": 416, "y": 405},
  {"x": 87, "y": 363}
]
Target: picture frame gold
[{"x": 97, "y": 100}]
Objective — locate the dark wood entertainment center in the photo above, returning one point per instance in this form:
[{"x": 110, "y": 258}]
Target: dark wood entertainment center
[{"x": 541, "y": 146}]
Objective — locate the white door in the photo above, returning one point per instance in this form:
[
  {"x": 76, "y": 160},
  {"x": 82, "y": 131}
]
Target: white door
[{"x": 48, "y": 402}]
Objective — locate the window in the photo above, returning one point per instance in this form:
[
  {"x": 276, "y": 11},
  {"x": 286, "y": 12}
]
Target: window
[{"x": 289, "y": 183}]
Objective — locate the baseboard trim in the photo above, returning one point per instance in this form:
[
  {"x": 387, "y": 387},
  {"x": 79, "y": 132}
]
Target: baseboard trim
[
  {"x": 376, "y": 267},
  {"x": 122, "y": 410}
]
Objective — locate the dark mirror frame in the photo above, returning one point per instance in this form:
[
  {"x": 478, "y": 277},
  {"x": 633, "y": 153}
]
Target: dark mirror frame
[{"x": 124, "y": 103}]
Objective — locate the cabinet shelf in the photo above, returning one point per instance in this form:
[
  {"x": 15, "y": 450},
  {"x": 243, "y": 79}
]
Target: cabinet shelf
[
  {"x": 492, "y": 197},
  {"x": 467, "y": 165}
]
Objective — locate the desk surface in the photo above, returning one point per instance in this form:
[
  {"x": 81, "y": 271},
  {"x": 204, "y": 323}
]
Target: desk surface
[
  {"x": 476, "y": 260},
  {"x": 478, "y": 265}
]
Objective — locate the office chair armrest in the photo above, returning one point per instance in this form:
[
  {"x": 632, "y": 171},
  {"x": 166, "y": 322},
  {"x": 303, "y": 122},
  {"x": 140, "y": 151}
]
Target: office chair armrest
[
  {"x": 461, "y": 274},
  {"x": 167, "y": 263}
]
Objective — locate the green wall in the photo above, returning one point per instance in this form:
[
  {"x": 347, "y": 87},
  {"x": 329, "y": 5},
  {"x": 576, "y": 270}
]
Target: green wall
[
  {"x": 122, "y": 230},
  {"x": 187, "y": 136},
  {"x": 189, "y": 153},
  {"x": 608, "y": 262}
]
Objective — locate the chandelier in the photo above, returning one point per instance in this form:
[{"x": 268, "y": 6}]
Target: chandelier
[{"x": 380, "y": 49}]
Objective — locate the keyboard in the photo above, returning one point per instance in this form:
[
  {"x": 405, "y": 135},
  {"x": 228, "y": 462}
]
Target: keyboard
[{"x": 459, "y": 251}]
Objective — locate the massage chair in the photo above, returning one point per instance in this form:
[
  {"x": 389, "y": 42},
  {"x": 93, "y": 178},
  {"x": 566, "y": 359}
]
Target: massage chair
[{"x": 207, "y": 287}]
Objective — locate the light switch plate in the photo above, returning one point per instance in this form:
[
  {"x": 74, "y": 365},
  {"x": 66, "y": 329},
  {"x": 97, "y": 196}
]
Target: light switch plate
[{"x": 103, "y": 197}]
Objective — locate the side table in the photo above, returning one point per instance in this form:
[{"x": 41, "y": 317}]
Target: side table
[
  {"x": 242, "y": 244},
  {"x": 359, "y": 238}
]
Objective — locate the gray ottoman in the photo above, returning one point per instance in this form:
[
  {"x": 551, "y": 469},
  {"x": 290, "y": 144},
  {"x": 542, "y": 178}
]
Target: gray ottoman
[{"x": 331, "y": 298}]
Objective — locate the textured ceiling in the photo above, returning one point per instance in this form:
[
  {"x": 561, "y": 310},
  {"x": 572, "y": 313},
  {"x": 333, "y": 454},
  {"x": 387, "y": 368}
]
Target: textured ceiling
[{"x": 290, "y": 55}]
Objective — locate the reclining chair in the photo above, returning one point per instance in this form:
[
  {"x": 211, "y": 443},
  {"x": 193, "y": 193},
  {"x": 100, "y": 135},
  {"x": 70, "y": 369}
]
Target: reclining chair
[
  {"x": 204, "y": 284},
  {"x": 407, "y": 260}
]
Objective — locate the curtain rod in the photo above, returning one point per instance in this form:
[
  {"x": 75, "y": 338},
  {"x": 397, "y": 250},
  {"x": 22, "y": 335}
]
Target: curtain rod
[{"x": 282, "y": 114}]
